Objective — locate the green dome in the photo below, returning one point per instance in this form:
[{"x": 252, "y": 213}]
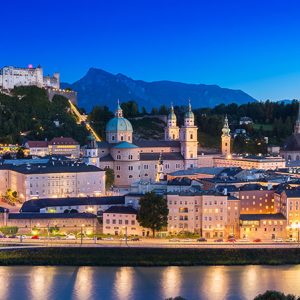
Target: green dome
[
  {"x": 125, "y": 145},
  {"x": 189, "y": 114},
  {"x": 118, "y": 124}
]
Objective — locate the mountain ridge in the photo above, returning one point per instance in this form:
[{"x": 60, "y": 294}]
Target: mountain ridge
[{"x": 99, "y": 87}]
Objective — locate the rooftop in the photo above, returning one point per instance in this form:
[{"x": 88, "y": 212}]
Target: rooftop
[
  {"x": 155, "y": 143},
  {"x": 164, "y": 156},
  {"x": 121, "y": 210},
  {"x": 37, "y": 204},
  {"x": 258, "y": 217},
  {"x": 51, "y": 216}
]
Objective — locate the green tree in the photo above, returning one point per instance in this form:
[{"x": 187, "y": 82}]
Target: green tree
[
  {"x": 9, "y": 230},
  {"x": 11, "y": 196},
  {"x": 153, "y": 212},
  {"x": 109, "y": 178},
  {"x": 275, "y": 295},
  {"x": 54, "y": 230}
]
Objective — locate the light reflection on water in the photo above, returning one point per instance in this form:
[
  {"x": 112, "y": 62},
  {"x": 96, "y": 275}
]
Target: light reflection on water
[{"x": 127, "y": 283}]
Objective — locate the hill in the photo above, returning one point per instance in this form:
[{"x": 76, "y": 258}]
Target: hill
[
  {"x": 99, "y": 87},
  {"x": 27, "y": 113}
]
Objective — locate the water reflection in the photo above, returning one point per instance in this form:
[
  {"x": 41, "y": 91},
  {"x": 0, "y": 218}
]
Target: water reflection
[
  {"x": 5, "y": 283},
  {"x": 123, "y": 284},
  {"x": 41, "y": 281},
  {"x": 205, "y": 283},
  {"x": 171, "y": 282},
  {"x": 215, "y": 283},
  {"x": 83, "y": 286}
]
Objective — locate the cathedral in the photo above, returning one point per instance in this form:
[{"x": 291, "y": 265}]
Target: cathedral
[{"x": 134, "y": 161}]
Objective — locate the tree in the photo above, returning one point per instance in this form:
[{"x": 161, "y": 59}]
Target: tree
[
  {"x": 9, "y": 230},
  {"x": 11, "y": 196},
  {"x": 153, "y": 212},
  {"x": 109, "y": 178},
  {"x": 275, "y": 295},
  {"x": 54, "y": 230}
]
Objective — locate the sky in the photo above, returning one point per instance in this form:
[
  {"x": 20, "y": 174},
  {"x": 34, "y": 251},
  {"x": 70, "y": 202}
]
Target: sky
[{"x": 245, "y": 44}]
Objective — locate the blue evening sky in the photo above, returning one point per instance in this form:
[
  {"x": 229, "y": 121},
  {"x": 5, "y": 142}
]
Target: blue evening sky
[{"x": 247, "y": 44}]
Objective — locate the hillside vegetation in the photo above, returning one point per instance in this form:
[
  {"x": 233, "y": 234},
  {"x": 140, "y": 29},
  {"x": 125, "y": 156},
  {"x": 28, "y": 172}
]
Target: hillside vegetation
[{"x": 28, "y": 113}]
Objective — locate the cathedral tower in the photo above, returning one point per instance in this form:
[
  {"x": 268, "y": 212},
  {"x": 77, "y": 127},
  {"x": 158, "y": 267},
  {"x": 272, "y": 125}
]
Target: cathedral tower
[
  {"x": 172, "y": 130},
  {"x": 189, "y": 139},
  {"x": 226, "y": 138}
]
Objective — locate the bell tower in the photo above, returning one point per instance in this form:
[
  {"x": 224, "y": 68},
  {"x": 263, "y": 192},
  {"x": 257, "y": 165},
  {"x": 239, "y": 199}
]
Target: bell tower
[
  {"x": 226, "y": 138},
  {"x": 172, "y": 130},
  {"x": 189, "y": 140}
]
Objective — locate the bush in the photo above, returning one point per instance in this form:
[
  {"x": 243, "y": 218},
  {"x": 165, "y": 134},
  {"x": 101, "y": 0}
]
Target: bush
[
  {"x": 9, "y": 230},
  {"x": 275, "y": 295}
]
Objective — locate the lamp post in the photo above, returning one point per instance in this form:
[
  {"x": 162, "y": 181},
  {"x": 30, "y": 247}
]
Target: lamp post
[
  {"x": 81, "y": 234},
  {"x": 125, "y": 227}
]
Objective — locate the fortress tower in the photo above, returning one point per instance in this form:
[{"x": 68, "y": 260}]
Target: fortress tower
[{"x": 226, "y": 138}]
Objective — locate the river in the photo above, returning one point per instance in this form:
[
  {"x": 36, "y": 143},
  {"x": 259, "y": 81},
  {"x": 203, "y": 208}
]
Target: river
[{"x": 155, "y": 283}]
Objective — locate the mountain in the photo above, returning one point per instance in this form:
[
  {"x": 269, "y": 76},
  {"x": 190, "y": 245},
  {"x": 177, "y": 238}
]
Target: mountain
[{"x": 99, "y": 87}]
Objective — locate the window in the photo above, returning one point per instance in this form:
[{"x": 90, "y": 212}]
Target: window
[
  {"x": 130, "y": 156},
  {"x": 113, "y": 138},
  {"x": 118, "y": 156},
  {"x": 130, "y": 168}
]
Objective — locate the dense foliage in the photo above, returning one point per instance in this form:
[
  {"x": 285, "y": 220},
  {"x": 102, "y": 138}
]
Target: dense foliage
[
  {"x": 274, "y": 120},
  {"x": 9, "y": 230},
  {"x": 274, "y": 295},
  {"x": 153, "y": 212},
  {"x": 28, "y": 112}
]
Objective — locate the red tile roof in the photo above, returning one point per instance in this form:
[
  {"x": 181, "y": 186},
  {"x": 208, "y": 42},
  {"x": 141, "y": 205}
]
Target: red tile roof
[
  {"x": 37, "y": 144},
  {"x": 63, "y": 141}
]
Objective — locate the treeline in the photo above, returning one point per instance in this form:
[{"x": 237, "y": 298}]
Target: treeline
[
  {"x": 274, "y": 120},
  {"x": 29, "y": 114}
]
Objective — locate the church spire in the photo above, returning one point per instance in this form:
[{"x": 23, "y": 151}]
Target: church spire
[
  {"x": 119, "y": 111},
  {"x": 297, "y": 125},
  {"x": 226, "y": 129}
]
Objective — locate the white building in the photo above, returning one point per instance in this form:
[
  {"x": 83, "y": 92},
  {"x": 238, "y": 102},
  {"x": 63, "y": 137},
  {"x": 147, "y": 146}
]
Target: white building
[
  {"x": 52, "y": 180},
  {"x": 143, "y": 160},
  {"x": 11, "y": 77}
]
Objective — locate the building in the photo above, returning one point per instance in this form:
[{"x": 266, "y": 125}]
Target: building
[
  {"x": 246, "y": 121},
  {"x": 122, "y": 220},
  {"x": 142, "y": 160},
  {"x": 52, "y": 180},
  {"x": 11, "y": 77},
  {"x": 95, "y": 205},
  {"x": 256, "y": 199},
  {"x": 35, "y": 223},
  {"x": 251, "y": 162},
  {"x": 291, "y": 147},
  {"x": 205, "y": 213},
  {"x": 263, "y": 226},
  {"x": 65, "y": 146},
  {"x": 226, "y": 139}
]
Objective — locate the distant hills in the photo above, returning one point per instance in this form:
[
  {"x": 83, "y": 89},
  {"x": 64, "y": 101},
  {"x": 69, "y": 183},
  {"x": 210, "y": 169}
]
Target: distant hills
[{"x": 99, "y": 87}]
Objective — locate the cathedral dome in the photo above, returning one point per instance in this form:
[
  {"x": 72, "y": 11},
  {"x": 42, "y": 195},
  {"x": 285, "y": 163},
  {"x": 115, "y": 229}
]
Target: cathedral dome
[
  {"x": 118, "y": 124},
  {"x": 189, "y": 114}
]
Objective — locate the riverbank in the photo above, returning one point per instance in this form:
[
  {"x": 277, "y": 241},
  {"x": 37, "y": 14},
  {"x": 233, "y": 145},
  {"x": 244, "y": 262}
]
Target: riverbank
[{"x": 77, "y": 256}]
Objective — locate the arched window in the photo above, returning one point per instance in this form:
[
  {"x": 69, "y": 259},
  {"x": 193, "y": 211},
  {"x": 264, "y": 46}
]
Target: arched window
[
  {"x": 191, "y": 136},
  {"x": 297, "y": 157},
  {"x": 289, "y": 157},
  {"x": 173, "y": 136},
  {"x": 191, "y": 155},
  {"x": 118, "y": 156},
  {"x": 112, "y": 137},
  {"x": 118, "y": 176},
  {"x": 122, "y": 138},
  {"x": 130, "y": 156},
  {"x": 130, "y": 176}
]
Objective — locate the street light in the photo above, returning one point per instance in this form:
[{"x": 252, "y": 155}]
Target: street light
[
  {"x": 125, "y": 227},
  {"x": 81, "y": 234}
]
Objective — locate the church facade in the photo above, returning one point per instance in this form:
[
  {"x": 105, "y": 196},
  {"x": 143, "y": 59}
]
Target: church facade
[{"x": 134, "y": 161}]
